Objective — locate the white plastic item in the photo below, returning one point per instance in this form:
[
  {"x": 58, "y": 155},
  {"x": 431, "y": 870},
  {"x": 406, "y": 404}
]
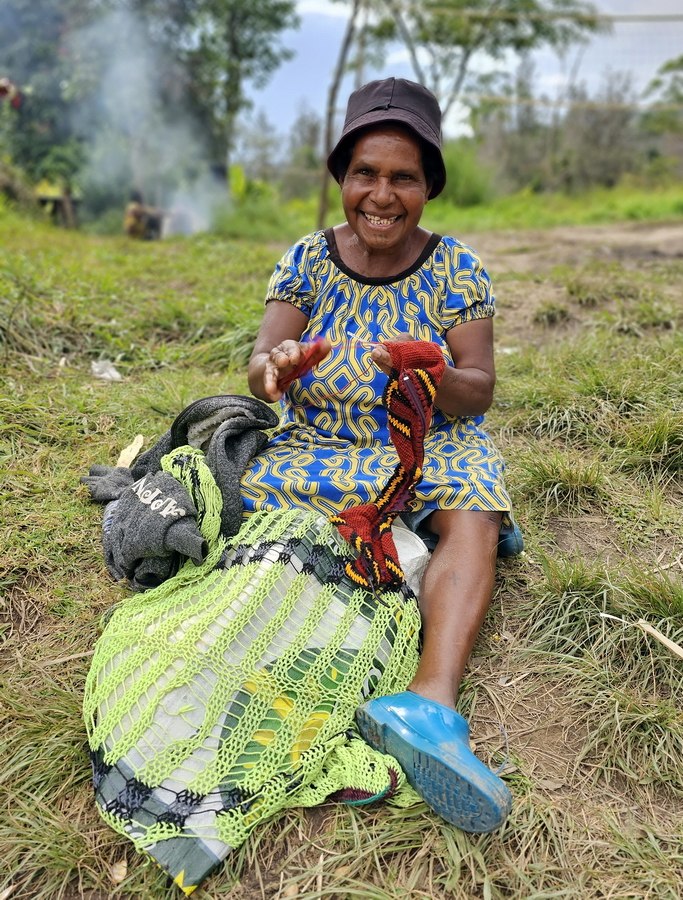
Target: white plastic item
[{"x": 413, "y": 554}]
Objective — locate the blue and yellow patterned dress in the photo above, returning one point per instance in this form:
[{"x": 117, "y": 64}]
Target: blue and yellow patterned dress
[{"x": 332, "y": 448}]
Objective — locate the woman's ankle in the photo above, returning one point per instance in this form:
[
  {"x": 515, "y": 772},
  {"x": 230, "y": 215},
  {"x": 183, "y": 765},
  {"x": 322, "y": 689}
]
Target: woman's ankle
[{"x": 433, "y": 691}]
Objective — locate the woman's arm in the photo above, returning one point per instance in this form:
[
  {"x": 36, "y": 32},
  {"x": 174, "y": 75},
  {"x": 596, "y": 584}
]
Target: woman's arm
[
  {"x": 277, "y": 349},
  {"x": 467, "y": 389}
]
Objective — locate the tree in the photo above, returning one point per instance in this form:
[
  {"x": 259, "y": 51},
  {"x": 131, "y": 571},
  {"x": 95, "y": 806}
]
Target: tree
[
  {"x": 230, "y": 43},
  {"x": 600, "y": 140},
  {"x": 513, "y": 137},
  {"x": 443, "y": 37},
  {"x": 662, "y": 122},
  {"x": 300, "y": 173},
  {"x": 578, "y": 143},
  {"x": 122, "y": 87},
  {"x": 34, "y": 49},
  {"x": 666, "y": 90},
  {"x": 257, "y": 148}
]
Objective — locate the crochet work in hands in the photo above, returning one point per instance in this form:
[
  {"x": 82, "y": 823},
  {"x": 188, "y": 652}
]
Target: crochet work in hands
[{"x": 417, "y": 368}]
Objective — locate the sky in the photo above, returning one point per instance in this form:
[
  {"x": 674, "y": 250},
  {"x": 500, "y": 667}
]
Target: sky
[{"x": 302, "y": 83}]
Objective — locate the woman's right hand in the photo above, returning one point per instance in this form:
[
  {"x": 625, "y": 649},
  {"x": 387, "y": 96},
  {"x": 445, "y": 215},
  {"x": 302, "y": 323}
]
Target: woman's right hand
[
  {"x": 281, "y": 360},
  {"x": 381, "y": 356},
  {"x": 277, "y": 349}
]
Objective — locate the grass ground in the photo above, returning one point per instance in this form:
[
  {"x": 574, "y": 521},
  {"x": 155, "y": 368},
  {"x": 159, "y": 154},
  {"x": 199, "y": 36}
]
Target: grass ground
[{"x": 578, "y": 703}]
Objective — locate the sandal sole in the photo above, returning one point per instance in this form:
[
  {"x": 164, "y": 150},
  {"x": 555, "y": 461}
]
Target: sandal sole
[{"x": 464, "y": 792}]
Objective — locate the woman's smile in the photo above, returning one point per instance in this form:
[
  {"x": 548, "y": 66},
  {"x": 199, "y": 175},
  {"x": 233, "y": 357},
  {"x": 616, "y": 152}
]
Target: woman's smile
[{"x": 380, "y": 221}]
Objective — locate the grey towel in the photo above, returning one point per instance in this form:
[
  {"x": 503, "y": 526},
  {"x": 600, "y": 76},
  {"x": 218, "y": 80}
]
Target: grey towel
[
  {"x": 230, "y": 430},
  {"x": 148, "y": 529}
]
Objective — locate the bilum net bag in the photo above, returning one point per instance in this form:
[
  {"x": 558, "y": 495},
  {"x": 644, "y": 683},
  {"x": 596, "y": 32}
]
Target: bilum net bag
[{"x": 227, "y": 694}]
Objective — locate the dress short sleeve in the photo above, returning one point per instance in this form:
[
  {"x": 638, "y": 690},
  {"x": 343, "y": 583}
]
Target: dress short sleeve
[
  {"x": 294, "y": 278},
  {"x": 467, "y": 286}
]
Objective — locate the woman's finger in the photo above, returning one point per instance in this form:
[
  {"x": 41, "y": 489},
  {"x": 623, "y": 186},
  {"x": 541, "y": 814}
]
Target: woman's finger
[{"x": 381, "y": 356}]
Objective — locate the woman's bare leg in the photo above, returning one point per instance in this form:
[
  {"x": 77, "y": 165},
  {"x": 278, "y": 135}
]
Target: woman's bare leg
[{"x": 455, "y": 595}]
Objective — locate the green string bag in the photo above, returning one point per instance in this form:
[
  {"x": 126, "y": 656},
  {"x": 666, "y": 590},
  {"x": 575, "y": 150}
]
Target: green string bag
[{"x": 227, "y": 694}]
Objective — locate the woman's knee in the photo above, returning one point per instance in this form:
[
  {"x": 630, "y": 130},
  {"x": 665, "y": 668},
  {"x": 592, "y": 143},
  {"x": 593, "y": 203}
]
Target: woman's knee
[{"x": 468, "y": 524}]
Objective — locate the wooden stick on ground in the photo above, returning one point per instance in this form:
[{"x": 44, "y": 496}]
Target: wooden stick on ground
[
  {"x": 663, "y": 639},
  {"x": 652, "y": 631}
]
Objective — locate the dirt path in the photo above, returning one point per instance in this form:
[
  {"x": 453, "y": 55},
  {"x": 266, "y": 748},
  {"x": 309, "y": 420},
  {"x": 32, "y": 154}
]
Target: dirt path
[
  {"x": 528, "y": 251},
  {"x": 531, "y": 270}
]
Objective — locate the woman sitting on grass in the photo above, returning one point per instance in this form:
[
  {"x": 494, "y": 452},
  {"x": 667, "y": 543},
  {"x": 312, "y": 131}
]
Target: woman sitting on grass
[{"x": 380, "y": 277}]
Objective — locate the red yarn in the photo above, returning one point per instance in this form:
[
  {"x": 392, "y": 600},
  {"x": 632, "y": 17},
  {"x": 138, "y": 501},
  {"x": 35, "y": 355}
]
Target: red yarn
[{"x": 316, "y": 351}]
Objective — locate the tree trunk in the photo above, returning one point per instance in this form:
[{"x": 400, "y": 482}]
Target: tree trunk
[
  {"x": 333, "y": 93},
  {"x": 408, "y": 41},
  {"x": 68, "y": 211},
  {"x": 362, "y": 41},
  {"x": 232, "y": 92}
]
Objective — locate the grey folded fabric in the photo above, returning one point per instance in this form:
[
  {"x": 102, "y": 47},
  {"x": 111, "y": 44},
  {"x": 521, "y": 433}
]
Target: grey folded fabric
[
  {"x": 230, "y": 430},
  {"x": 198, "y": 422},
  {"x": 144, "y": 537},
  {"x": 231, "y": 447},
  {"x": 149, "y": 528},
  {"x": 107, "y": 482}
]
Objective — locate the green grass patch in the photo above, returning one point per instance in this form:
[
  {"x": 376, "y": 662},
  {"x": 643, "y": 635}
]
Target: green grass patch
[
  {"x": 580, "y": 704},
  {"x": 527, "y": 209}
]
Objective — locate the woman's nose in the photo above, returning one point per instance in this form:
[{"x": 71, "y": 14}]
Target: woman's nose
[{"x": 382, "y": 189}]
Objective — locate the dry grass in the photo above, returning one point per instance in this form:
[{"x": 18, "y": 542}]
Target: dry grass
[{"x": 582, "y": 711}]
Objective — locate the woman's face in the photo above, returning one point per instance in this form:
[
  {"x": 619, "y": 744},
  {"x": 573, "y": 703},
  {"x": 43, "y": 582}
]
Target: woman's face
[{"x": 384, "y": 189}]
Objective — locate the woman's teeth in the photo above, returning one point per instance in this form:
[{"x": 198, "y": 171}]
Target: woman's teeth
[{"x": 375, "y": 220}]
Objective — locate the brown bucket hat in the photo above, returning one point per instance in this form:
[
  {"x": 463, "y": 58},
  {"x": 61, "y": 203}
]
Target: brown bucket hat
[{"x": 395, "y": 100}]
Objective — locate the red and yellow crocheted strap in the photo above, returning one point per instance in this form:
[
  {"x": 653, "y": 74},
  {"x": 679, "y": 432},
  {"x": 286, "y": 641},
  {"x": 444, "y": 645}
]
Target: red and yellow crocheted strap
[
  {"x": 370, "y": 536},
  {"x": 411, "y": 389},
  {"x": 417, "y": 367}
]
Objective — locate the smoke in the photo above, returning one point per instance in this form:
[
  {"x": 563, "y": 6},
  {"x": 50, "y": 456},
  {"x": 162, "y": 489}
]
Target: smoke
[
  {"x": 133, "y": 141},
  {"x": 10, "y": 30}
]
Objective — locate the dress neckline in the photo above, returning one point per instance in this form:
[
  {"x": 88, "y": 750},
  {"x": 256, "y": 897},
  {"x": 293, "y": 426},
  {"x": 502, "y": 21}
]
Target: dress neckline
[{"x": 427, "y": 251}]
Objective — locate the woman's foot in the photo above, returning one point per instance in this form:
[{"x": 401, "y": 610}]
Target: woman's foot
[{"x": 431, "y": 743}]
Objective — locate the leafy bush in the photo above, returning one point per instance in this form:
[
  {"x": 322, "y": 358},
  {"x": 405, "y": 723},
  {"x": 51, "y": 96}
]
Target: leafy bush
[{"x": 469, "y": 183}]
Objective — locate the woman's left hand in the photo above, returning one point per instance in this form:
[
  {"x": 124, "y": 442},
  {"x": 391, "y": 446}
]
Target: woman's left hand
[{"x": 381, "y": 356}]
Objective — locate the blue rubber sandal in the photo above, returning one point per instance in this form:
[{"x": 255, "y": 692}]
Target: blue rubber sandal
[
  {"x": 510, "y": 541},
  {"x": 431, "y": 743}
]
